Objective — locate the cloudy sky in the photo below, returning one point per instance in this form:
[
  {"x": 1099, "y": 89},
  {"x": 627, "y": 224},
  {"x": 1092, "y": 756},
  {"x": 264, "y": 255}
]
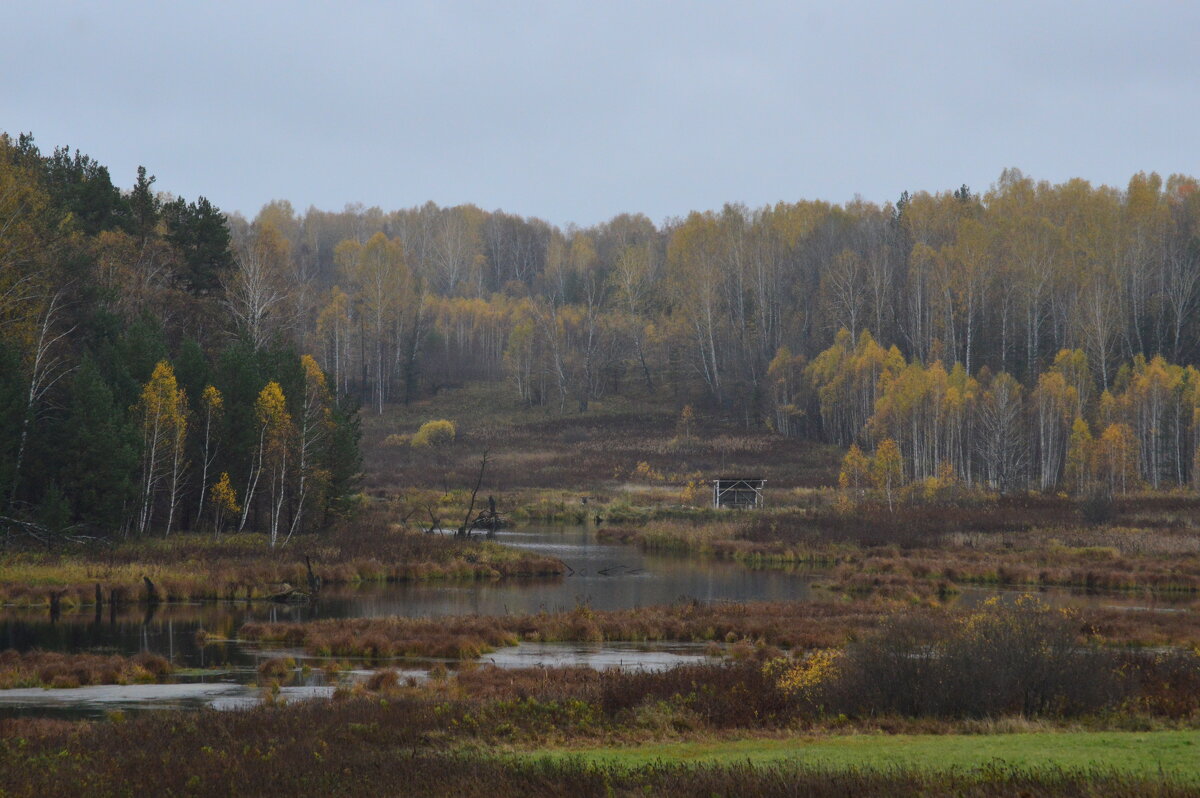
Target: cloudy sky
[{"x": 576, "y": 112}]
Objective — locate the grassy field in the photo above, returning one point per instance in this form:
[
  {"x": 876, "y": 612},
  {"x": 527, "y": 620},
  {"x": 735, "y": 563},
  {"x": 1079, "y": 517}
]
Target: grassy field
[{"x": 1174, "y": 753}]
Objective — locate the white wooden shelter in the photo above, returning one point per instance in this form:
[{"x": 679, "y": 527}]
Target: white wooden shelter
[{"x": 740, "y": 493}]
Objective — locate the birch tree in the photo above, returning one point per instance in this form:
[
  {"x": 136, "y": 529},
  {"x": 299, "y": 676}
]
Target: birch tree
[
  {"x": 212, "y": 409},
  {"x": 162, "y": 411},
  {"x": 256, "y": 289},
  {"x": 312, "y": 429}
]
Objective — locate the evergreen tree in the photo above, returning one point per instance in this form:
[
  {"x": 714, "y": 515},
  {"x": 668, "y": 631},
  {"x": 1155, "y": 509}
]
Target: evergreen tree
[
  {"x": 98, "y": 448},
  {"x": 200, "y": 233}
]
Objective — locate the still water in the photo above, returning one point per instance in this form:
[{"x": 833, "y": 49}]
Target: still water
[{"x": 603, "y": 576}]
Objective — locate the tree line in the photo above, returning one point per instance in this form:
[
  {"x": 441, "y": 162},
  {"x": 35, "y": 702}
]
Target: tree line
[
  {"x": 131, "y": 400},
  {"x": 943, "y": 426},
  {"x": 714, "y": 307}
]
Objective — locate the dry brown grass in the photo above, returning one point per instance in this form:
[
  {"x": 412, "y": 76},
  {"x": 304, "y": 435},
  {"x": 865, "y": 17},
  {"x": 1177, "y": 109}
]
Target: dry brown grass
[
  {"x": 924, "y": 551},
  {"x": 399, "y": 747},
  {"x": 54, "y": 669},
  {"x": 785, "y": 624},
  {"x": 372, "y": 548},
  {"x": 744, "y": 626},
  {"x": 588, "y": 453}
]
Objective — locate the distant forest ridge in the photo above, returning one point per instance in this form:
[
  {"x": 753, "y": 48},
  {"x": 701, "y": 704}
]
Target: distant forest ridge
[{"x": 396, "y": 303}]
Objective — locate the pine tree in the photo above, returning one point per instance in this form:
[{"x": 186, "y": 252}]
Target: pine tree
[{"x": 98, "y": 476}]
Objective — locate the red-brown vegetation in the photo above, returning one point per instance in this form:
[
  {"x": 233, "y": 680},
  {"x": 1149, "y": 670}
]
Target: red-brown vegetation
[
  {"x": 798, "y": 625},
  {"x": 787, "y": 624},
  {"x": 54, "y": 669},
  {"x": 363, "y": 747}
]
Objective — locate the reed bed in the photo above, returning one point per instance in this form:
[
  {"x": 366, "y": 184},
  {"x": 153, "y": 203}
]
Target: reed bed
[
  {"x": 799, "y": 625},
  {"x": 57, "y": 670},
  {"x": 736, "y": 627},
  {"x": 924, "y": 551}
]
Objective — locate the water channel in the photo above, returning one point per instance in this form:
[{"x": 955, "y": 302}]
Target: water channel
[{"x": 601, "y": 575}]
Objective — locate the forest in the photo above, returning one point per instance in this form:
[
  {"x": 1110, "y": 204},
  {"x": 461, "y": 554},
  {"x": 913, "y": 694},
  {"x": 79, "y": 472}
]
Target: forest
[
  {"x": 130, "y": 402},
  {"x": 718, "y": 304},
  {"x": 155, "y": 350}
]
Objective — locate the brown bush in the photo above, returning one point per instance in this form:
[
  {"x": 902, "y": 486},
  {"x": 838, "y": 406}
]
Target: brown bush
[
  {"x": 1025, "y": 660},
  {"x": 276, "y": 668}
]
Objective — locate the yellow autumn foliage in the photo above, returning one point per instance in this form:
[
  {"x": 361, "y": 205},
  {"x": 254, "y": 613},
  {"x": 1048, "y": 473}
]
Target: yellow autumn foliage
[{"x": 434, "y": 434}]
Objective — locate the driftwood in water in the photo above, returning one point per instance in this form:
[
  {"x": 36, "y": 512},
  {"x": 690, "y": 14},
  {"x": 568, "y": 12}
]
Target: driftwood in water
[
  {"x": 489, "y": 521},
  {"x": 151, "y": 591},
  {"x": 286, "y": 594}
]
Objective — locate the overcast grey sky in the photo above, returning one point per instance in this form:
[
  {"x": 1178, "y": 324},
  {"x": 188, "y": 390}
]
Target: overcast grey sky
[{"x": 576, "y": 112}]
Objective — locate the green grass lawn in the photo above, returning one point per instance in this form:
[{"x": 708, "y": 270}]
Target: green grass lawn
[{"x": 1146, "y": 753}]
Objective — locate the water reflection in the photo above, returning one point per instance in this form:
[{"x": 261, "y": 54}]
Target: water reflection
[{"x": 604, "y": 576}]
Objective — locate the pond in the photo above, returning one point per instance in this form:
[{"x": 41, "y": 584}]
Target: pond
[{"x": 602, "y": 575}]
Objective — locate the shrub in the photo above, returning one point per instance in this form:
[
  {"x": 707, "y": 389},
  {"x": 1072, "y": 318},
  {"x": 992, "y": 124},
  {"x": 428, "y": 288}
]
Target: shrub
[
  {"x": 1024, "y": 660},
  {"x": 383, "y": 681},
  {"x": 1097, "y": 507},
  {"x": 434, "y": 434},
  {"x": 276, "y": 668},
  {"x": 153, "y": 664}
]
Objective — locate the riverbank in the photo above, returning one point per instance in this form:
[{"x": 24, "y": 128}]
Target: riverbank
[
  {"x": 59, "y": 670},
  {"x": 193, "y": 567},
  {"x": 798, "y": 625},
  {"x": 1151, "y": 546},
  {"x": 740, "y": 628}
]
